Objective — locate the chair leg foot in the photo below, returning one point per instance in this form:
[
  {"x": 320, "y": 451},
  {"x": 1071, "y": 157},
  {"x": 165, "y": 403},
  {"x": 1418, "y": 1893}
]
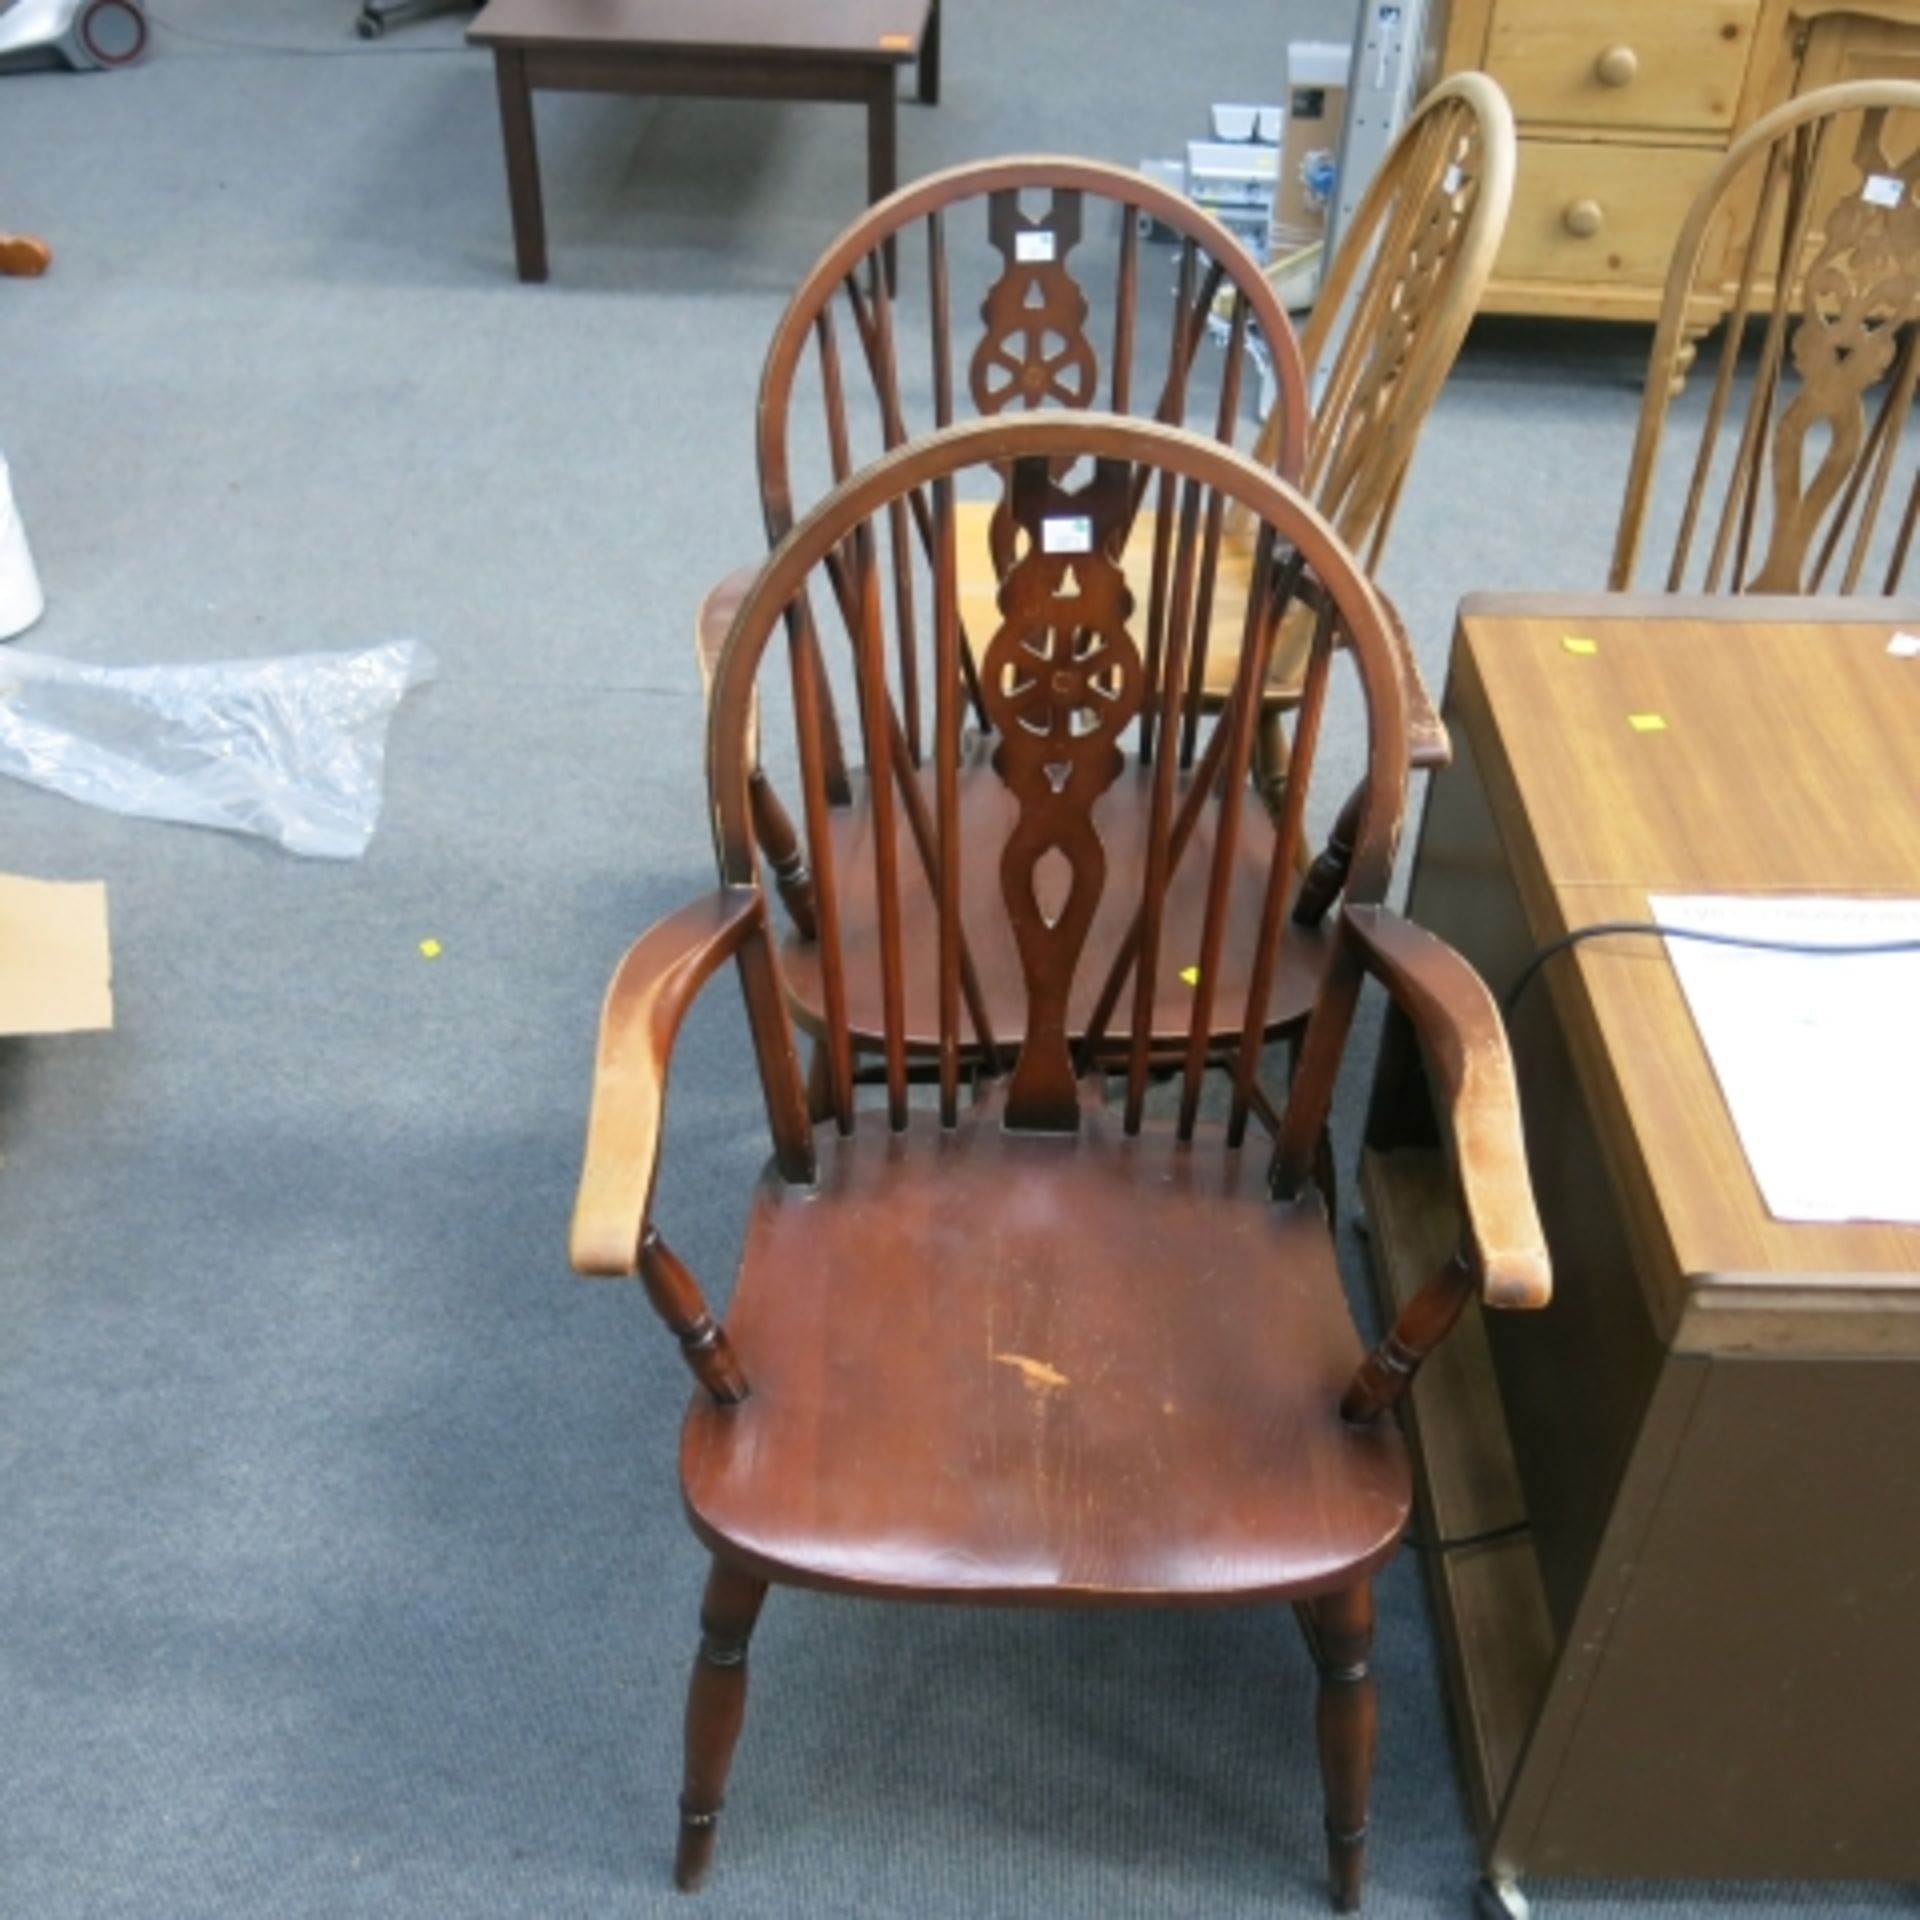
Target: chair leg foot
[
  {"x": 694, "y": 1854},
  {"x": 1342, "y": 1639},
  {"x": 1346, "y": 1868},
  {"x": 716, "y": 1705}
]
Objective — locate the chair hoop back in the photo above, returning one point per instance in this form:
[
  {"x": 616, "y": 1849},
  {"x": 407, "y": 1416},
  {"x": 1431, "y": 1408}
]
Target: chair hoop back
[
  {"x": 1036, "y": 348},
  {"x": 1063, "y": 682},
  {"x": 1828, "y": 187}
]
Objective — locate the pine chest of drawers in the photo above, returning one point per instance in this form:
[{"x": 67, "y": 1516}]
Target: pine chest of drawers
[{"x": 1625, "y": 106}]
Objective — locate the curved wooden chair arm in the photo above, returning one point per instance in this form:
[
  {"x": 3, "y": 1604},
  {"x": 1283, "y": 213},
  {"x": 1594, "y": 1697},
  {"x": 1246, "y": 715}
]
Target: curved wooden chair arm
[
  {"x": 1465, "y": 1044},
  {"x": 652, "y": 988},
  {"x": 1502, "y": 1255}
]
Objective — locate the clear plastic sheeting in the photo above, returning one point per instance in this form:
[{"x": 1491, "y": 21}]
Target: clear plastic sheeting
[{"x": 293, "y": 749}]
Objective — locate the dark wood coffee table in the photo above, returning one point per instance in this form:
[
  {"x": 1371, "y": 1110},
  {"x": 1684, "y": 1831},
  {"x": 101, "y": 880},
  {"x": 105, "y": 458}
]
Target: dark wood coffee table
[{"x": 758, "y": 49}]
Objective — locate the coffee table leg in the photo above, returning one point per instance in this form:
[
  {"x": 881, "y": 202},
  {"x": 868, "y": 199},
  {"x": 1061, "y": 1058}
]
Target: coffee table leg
[
  {"x": 929, "y": 74},
  {"x": 882, "y": 146},
  {"x": 523, "y": 163},
  {"x": 883, "y": 152}
]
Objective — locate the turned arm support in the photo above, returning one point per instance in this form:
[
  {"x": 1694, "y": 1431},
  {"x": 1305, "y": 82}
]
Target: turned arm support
[
  {"x": 1502, "y": 1254},
  {"x": 613, "y": 1235}
]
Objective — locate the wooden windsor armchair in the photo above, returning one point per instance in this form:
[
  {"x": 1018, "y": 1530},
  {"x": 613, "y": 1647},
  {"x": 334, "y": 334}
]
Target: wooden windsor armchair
[
  {"x": 1828, "y": 188},
  {"x": 1007, "y": 1339},
  {"x": 1049, "y": 252}
]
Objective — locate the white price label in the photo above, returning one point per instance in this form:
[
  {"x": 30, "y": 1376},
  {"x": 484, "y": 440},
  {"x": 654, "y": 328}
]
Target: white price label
[
  {"x": 1904, "y": 646},
  {"x": 1030, "y": 247},
  {"x": 1883, "y": 190},
  {"x": 1066, "y": 533}
]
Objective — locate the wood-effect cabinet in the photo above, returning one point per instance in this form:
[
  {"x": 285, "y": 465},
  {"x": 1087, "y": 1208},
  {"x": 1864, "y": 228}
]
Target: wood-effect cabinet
[
  {"x": 1624, "y": 109},
  {"x": 1671, "y": 1521}
]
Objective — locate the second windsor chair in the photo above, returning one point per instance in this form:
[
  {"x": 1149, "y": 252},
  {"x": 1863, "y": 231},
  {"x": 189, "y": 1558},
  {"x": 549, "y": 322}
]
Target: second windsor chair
[{"x": 1048, "y": 250}]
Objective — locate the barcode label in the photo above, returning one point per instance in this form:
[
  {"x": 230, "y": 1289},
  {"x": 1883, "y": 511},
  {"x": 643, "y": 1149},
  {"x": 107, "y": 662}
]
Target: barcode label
[
  {"x": 1884, "y": 190},
  {"x": 1067, "y": 533},
  {"x": 1031, "y": 247}
]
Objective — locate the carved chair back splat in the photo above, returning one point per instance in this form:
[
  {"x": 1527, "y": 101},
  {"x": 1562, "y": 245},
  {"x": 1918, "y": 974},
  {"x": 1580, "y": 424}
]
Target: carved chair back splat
[{"x": 1802, "y": 443}]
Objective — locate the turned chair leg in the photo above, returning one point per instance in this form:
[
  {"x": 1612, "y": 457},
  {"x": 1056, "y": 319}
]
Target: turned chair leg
[
  {"x": 1340, "y": 1631},
  {"x": 716, "y": 1704}
]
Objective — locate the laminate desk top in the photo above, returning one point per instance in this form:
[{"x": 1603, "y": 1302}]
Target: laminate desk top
[
  {"x": 885, "y": 32},
  {"x": 1777, "y": 750}
]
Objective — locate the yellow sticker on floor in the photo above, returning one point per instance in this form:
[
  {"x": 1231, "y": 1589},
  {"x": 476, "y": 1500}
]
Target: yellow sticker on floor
[
  {"x": 430, "y": 949},
  {"x": 1647, "y": 722},
  {"x": 1577, "y": 643},
  {"x": 1191, "y": 975}
]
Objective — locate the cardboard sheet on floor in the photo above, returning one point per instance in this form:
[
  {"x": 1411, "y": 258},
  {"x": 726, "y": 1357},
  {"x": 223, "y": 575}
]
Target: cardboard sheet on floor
[{"x": 55, "y": 973}]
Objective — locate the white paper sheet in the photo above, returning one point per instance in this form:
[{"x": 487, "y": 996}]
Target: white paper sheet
[{"x": 1817, "y": 1055}]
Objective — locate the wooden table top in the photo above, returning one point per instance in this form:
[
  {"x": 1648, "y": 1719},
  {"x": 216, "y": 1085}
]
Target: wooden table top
[
  {"x": 884, "y": 32},
  {"x": 1774, "y": 752}
]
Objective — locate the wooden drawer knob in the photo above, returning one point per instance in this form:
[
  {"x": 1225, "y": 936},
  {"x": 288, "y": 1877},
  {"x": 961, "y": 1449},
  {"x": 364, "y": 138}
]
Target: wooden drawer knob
[
  {"x": 1617, "y": 67},
  {"x": 1583, "y": 218}
]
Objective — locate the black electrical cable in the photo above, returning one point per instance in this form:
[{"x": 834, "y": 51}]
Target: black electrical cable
[
  {"x": 1454, "y": 1543},
  {"x": 1599, "y": 928}
]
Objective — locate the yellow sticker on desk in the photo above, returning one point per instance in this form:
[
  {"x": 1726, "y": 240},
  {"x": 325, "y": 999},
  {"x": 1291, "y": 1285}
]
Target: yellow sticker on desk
[
  {"x": 896, "y": 42},
  {"x": 1647, "y": 722},
  {"x": 1574, "y": 643},
  {"x": 1191, "y": 975},
  {"x": 430, "y": 949}
]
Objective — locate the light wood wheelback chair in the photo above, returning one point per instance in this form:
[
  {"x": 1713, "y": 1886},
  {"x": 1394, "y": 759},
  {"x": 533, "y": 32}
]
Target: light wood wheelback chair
[{"x": 1803, "y": 448}]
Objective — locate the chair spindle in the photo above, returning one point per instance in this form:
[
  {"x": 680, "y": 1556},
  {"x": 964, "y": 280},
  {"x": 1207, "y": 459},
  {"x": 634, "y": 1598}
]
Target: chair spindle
[
  {"x": 877, "y": 717},
  {"x": 1240, "y": 723},
  {"x": 1286, "y": 852},
  {"x": 676, "y": 1298},
  {"x": 1164, "y": 692}
]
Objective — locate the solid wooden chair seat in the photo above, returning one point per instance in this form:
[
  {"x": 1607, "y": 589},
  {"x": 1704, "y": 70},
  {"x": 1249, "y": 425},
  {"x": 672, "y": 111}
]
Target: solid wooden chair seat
[
  {"x": 990, "y": 1365},
  {"x": 986, "y": 815}
]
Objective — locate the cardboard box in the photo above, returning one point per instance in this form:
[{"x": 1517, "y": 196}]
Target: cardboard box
[
  {"x": 55, "y": 971},
  {"x": 1317, "y": 74}
]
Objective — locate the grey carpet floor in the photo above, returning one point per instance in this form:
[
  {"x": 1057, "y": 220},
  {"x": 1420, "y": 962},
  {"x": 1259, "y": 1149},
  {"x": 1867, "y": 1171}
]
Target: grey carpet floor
[{"x": 341, "y": 1570}]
